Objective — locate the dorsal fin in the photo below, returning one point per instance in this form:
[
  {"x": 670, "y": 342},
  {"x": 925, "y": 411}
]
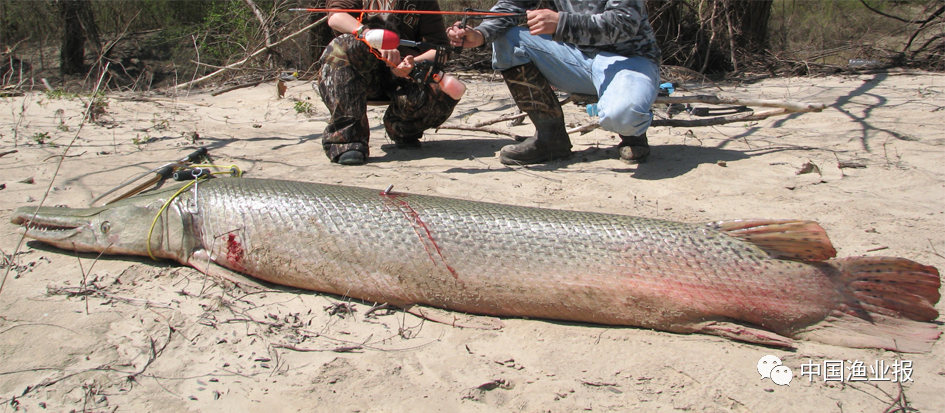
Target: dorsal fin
[{"x": 788, "y": 239}]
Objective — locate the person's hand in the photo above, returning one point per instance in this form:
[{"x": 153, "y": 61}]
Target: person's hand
[
  {"x": 464, "y": 36},
  {"x": 392, "y": 56},
  {"x": 403, "y": 69},
  {"x": 542, "y": 21}
]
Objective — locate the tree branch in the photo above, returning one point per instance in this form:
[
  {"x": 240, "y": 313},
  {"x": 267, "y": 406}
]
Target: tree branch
[
  {"x": 256, "y": 53},
  {"x": 262, "y": 21},
  {"x": 931, "y": 17}
]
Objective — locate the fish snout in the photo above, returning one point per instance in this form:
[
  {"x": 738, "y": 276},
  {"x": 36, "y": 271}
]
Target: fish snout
[{"x": 44, "y": 227}]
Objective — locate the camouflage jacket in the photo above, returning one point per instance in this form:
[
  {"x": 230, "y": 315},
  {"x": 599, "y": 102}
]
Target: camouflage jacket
[
  {"x": 616, "y": 26},
  {"x": 416, "y": 27}
]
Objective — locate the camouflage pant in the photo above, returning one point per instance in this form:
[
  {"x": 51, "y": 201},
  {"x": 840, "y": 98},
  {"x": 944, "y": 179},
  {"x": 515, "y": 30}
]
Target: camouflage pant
[{"x": 351, "y": 76}]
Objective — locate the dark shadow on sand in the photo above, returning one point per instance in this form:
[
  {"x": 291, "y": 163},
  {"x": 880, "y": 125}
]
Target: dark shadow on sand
[{"x": 666, "y": 161}]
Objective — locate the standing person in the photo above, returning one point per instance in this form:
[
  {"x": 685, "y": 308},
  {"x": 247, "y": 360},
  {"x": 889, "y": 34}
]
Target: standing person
[
  {"x": 352, "y": 74},
  {"x": 601, "y": 47}
]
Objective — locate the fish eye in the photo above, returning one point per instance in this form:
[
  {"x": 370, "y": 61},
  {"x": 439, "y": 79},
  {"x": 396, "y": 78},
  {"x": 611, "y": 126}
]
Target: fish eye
[{"x": 106, "y": 226}]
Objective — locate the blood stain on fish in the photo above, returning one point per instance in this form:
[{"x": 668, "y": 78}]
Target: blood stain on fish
[
  {"x": 420, "y": 227},
  {"x": 234, "y": 252}
]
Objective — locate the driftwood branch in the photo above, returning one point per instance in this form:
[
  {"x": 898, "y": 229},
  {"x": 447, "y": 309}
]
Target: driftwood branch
[
  {"x": 256, "y": 53},
  {"x": 719, "y": 120},
  {"x": 692, "y": 123},
  {"x": 790, "y": 107},
  {"x": 722, "y": 100},
  {"x": 783, "y": 107}
]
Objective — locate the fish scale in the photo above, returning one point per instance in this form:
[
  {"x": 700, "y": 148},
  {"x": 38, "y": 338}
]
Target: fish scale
[{"x": 723, "y": 278}]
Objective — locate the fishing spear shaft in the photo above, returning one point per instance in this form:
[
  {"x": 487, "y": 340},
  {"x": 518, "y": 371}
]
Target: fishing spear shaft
[
  {"x": 160, "y": 174},
  {"x": 467, "y": 12}
]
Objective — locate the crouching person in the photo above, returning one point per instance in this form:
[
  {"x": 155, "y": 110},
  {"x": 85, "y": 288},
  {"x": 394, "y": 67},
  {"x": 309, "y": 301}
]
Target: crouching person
[
  {"x": 352, "y": 73},
  {"x": 596, "y": 47}
]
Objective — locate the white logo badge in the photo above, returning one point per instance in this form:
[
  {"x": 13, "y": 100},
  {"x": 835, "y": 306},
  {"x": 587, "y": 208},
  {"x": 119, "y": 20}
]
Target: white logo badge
[
  {"x": 769, "y": 367},
  {"x": 782, "y": 375},
  {"x": 766, "y": 364}
]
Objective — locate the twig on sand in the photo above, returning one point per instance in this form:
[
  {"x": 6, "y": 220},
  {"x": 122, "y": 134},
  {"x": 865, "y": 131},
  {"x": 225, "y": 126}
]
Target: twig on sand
[
  {"x": 349, "y": 346},
  {"x": 240, "y": 86},
  {"x": 933, "y": 249},
  {"x": 480, "y": 129},
  {"x": 583, "y": 128},
  {"x": 344, "y": 349},
  {"x": 898, "y": 402},
  {"x": 386, "y": 307},
  {"x": 514, "y": 117},
  {"x": 340, "y": 309},
  {"x": 64, "y": 156},
  {"x": 599, "y": 383},
  {"x": 50, "y": 382},
  {"x": 97, "y": 292},
  {"x": 37, "y": 324},
  {"x": 154, "y": 352}
]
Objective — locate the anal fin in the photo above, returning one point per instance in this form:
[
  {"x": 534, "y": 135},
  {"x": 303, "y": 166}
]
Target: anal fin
[
  {"x": 788, "y": 239},
  {"x": 881, "y": 331}
]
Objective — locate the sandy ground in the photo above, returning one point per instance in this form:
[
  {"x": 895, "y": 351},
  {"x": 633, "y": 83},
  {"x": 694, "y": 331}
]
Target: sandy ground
[{"x": 131, "y": 334}]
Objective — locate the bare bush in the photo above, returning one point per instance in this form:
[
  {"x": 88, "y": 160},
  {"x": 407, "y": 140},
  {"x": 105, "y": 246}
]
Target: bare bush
[{"x": 155, "y": 43}]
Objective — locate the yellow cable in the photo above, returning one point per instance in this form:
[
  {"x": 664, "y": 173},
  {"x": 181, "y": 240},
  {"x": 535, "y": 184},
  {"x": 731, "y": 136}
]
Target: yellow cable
[
  {"x": 161, "y": 211},
  {"x": 238, "y": 171}
]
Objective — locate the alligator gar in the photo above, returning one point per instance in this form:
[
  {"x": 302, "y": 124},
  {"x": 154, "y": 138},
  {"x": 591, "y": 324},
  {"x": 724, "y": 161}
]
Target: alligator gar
[{"x": 760, "y": 281}]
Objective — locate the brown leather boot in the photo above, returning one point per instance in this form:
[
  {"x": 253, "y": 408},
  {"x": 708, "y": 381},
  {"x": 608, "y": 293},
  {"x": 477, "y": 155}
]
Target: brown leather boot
[
  {"x": 534, "y": 96},
  {"x": 633, "y": 149}
]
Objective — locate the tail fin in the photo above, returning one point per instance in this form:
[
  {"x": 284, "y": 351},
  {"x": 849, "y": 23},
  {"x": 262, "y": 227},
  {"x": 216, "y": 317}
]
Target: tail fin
[{"x": 888, "y": 304}]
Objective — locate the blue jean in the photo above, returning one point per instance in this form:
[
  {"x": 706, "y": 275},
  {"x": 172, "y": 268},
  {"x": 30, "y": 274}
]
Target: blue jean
[{"x": 626, "y": 86}]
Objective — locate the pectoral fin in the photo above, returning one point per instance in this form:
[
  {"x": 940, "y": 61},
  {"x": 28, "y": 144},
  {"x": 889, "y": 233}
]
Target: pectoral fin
[{"x": 201, "y": 261}]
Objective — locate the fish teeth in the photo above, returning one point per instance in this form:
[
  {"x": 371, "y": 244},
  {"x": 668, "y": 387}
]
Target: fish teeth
[{"x": 44, "y": 227}]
